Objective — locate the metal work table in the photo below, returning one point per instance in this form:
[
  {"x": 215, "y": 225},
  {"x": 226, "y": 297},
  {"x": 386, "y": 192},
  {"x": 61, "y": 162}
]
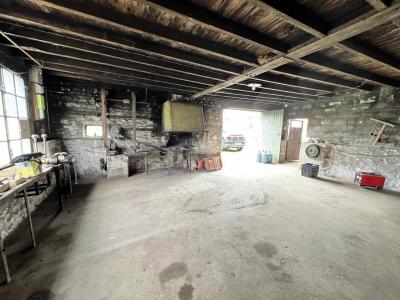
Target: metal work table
[{"x": 21, "y": 190}]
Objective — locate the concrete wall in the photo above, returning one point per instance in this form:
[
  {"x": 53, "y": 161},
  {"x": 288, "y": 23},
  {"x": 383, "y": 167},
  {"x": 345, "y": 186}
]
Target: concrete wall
[
  {"x": 345, "y": 123},
  {"x": 74, "y": 104}
]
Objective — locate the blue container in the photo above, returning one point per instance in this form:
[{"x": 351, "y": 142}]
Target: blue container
[
  {"x": 269, "y": 158},
  {"x": 264, "y": 158}
]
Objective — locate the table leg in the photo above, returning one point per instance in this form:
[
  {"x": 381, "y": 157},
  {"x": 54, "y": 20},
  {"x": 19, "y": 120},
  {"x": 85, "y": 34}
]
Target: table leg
[
  {"x": 4, "y": 260},
  {"x": 190, "y": 160},
  {"x": 146, "y": 166},
  {"x": 48, "y": 179},
  {"x": 29, "y": 219},
  {"x": 59, "y": 192},
  {"x": 37, "y": 188},
  {"x": 69, "y": 178},
  {"x": 169, "y": 163},
  {"x": 75, "y": 173}
]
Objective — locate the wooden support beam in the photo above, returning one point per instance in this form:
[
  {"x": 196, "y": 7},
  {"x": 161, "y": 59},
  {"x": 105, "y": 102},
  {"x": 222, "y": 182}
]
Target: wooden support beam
[
  {"x": 311, "y": 24},
  {"x": 214, "y": 21},
  {"x": 291, "y": 70},
  {"x": 44, "y": 40},
  {"x": 80, "y": 31},
  {"x": 336, "y": 35},
  {"x": 15, "y": 11},
  {"x": 109, "y": 17},
  {"x": 362, "y": 75},
  {"x": 377, "y": 4},
  {"x": 304, "y": 20},
  {"x": 160, "y": 68},
  {"x": 187, "y": 65},
  {"x": 83, "y": 72},
  {"x": 90, "y": 61}
]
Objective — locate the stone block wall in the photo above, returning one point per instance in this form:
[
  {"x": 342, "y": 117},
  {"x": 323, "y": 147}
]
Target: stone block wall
[
  {"x": 345, "y": 124},
  {"x": 73, "y": 104},
  {"x": 13, "y": 212}
]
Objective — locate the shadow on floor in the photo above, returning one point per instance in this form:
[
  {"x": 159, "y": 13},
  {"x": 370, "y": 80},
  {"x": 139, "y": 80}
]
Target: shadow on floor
[{"x": 53, "y": 234}]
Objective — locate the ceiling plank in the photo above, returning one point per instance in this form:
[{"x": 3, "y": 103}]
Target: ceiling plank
[
  {"x": 126, "y": 23},
  {"x": 362, "y": 75},
  {"x": 336, "y": 35},
  {"x": 316, "y": 27},
  {"x": 46, "y": 20},
  {"x": 217, "y": 22},
  {"x": 308, "y": 22}
]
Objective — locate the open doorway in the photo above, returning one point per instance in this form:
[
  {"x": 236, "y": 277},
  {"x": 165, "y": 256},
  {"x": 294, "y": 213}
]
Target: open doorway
[
  {"x": 241, "y": 136},
  {"x": 297, "y": 132}
]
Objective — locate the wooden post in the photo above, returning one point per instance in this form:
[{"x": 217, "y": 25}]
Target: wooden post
[{"x": 103, "y": 94}]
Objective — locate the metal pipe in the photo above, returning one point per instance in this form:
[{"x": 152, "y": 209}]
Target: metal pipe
[
  {"x": 34, "y": 138},
  {"x": 44, "y": 138},
  {"x": 75, "y": 173}
]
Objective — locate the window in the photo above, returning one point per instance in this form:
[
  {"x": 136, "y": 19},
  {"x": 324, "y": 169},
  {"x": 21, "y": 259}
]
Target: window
[
  {"x": 296, "y": 124},
  {"x": 93, "y": 131},
  {"x": 13, "y": 108}
]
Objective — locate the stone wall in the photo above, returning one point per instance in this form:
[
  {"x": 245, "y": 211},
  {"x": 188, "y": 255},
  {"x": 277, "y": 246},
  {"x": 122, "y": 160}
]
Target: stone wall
[
  {"x": 75, "y": 103},
  {"x": 13, "y": 212},
  {"x": 344, "y": 123}
]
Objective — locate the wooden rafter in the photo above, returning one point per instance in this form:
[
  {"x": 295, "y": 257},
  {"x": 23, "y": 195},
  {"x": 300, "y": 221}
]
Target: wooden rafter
[
  {"x": 96, "y": 54},
  {"x": 307, "y": 22},
  {"x": 377, "y": 4},
  {"x": 81, "y": 38},
  {"x": 119, "y": 22},
  {"x": 336, "y": 35},
  {"x": 316, "y": 27}
]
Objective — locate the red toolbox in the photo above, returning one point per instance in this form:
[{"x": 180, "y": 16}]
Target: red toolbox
[{"x": 369, "y": 180}]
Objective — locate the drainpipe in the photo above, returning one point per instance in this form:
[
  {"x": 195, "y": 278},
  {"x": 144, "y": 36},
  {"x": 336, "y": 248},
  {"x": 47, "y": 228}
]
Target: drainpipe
[{"x": 133, "y": 103}]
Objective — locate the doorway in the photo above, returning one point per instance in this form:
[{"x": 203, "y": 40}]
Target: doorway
[
  {"x": 297, "y": 131},
  {"x": 241, "y": 136}
]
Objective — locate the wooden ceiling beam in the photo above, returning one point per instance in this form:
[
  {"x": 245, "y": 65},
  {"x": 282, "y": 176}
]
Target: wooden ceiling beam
[
  {"x": 336, "y": 35},
  {"x": 316, "y": 27},
  {"x": 126, "y": 61},
  {"x": 51, "y": 61},
  {"x": 61, "y": 27},
  {"x": 213, "y": 21},
  {"x": 79, "y": 31},
  {"x": 124, "y": 23},
  {"x": 307, "y": 21},
  {"x": 79, "y": 37},
  {"x": 317, "y": 60},
  {"x": 378, "y": 4},
  {"x": 317, "y": 77},
  {"x": 128, "y": 24}
]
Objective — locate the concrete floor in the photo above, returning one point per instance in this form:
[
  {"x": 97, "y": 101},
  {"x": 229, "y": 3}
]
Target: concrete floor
[{"x": 250, "y": 231}]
